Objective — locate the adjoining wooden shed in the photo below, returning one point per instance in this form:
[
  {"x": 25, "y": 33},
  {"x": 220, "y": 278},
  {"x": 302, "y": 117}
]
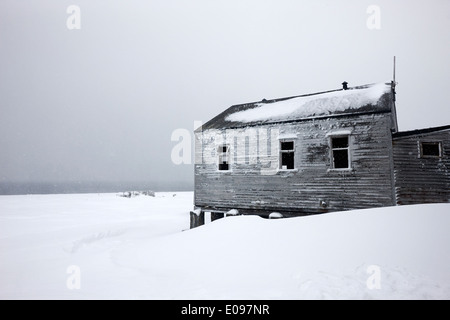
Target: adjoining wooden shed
[
  {"x": 316, "y": 153},
  {"x": 422, "y": 165}
]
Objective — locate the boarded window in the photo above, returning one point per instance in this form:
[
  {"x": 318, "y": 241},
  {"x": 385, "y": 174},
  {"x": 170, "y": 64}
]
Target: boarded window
[
  {"x": 340, "y": 152},
  {"x": 430, "y": 149},
  {"x": 287, "y": 155},
  {"x": 224, "y": 155}
]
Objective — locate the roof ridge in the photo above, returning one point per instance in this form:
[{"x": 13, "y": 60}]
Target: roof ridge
[{"x": 365, "y": 86}]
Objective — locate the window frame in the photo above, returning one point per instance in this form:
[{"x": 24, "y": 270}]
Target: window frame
[
  {"x": 220, "y": 155},
  {"x": 423, "y": 156},
  {"x": 348, "y": 148},
  {"x": 281, "y": 152}
]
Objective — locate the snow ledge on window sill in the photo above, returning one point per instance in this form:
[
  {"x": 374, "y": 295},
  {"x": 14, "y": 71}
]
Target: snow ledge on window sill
[
  {"x": 287, "y": 170},
  {"x": 340, "y": 170}
]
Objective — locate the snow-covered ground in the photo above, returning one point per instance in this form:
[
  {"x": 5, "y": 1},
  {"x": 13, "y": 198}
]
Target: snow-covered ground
[{"x": 101, "y": 246}]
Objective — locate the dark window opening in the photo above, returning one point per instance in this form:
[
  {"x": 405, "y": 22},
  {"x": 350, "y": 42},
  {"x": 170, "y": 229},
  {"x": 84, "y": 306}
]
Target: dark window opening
[
  {"x": 431, "y": 149},
  {"x": 287, "y": 155},
  {"x": 340, "y": 158},
  {"x": 340, "y": 152},
  {"x": 287, "y": 160},
  {"x": 341, "y": 142},
  {"x": 223, "y": 152},
  {"x": 287, "y": 145}
]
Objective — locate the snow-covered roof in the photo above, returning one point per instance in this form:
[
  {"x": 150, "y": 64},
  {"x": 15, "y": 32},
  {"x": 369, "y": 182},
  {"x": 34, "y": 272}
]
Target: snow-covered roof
[{"x": 356, "y": 100}]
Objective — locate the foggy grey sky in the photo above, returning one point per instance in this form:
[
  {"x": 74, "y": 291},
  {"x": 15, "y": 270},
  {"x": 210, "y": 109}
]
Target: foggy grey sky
[{"x": 101, "y": 103}]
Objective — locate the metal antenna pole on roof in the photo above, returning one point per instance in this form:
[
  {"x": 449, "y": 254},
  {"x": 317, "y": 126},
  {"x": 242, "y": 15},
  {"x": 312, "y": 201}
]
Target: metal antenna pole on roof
[
  {"x": 394, "y": 72},
  {"x": 394, "y": 112},
  {"x": 393, "y": 82}
]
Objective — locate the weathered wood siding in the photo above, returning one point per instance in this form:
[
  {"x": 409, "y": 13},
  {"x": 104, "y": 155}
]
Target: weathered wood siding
[
  {"x": 255, "y": 184},
  {"x": 421, "y": 180}
]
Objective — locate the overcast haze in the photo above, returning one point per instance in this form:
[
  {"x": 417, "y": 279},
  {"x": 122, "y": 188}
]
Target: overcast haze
[{"x": 99, "y": 104}]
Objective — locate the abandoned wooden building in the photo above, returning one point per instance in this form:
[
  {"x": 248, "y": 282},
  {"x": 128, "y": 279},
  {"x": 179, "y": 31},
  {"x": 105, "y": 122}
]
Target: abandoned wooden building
[{"x": 316, "y": 153}]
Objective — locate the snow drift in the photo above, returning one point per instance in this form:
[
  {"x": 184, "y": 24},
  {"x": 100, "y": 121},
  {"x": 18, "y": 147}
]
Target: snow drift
[{"x": 135, "y": 248}]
